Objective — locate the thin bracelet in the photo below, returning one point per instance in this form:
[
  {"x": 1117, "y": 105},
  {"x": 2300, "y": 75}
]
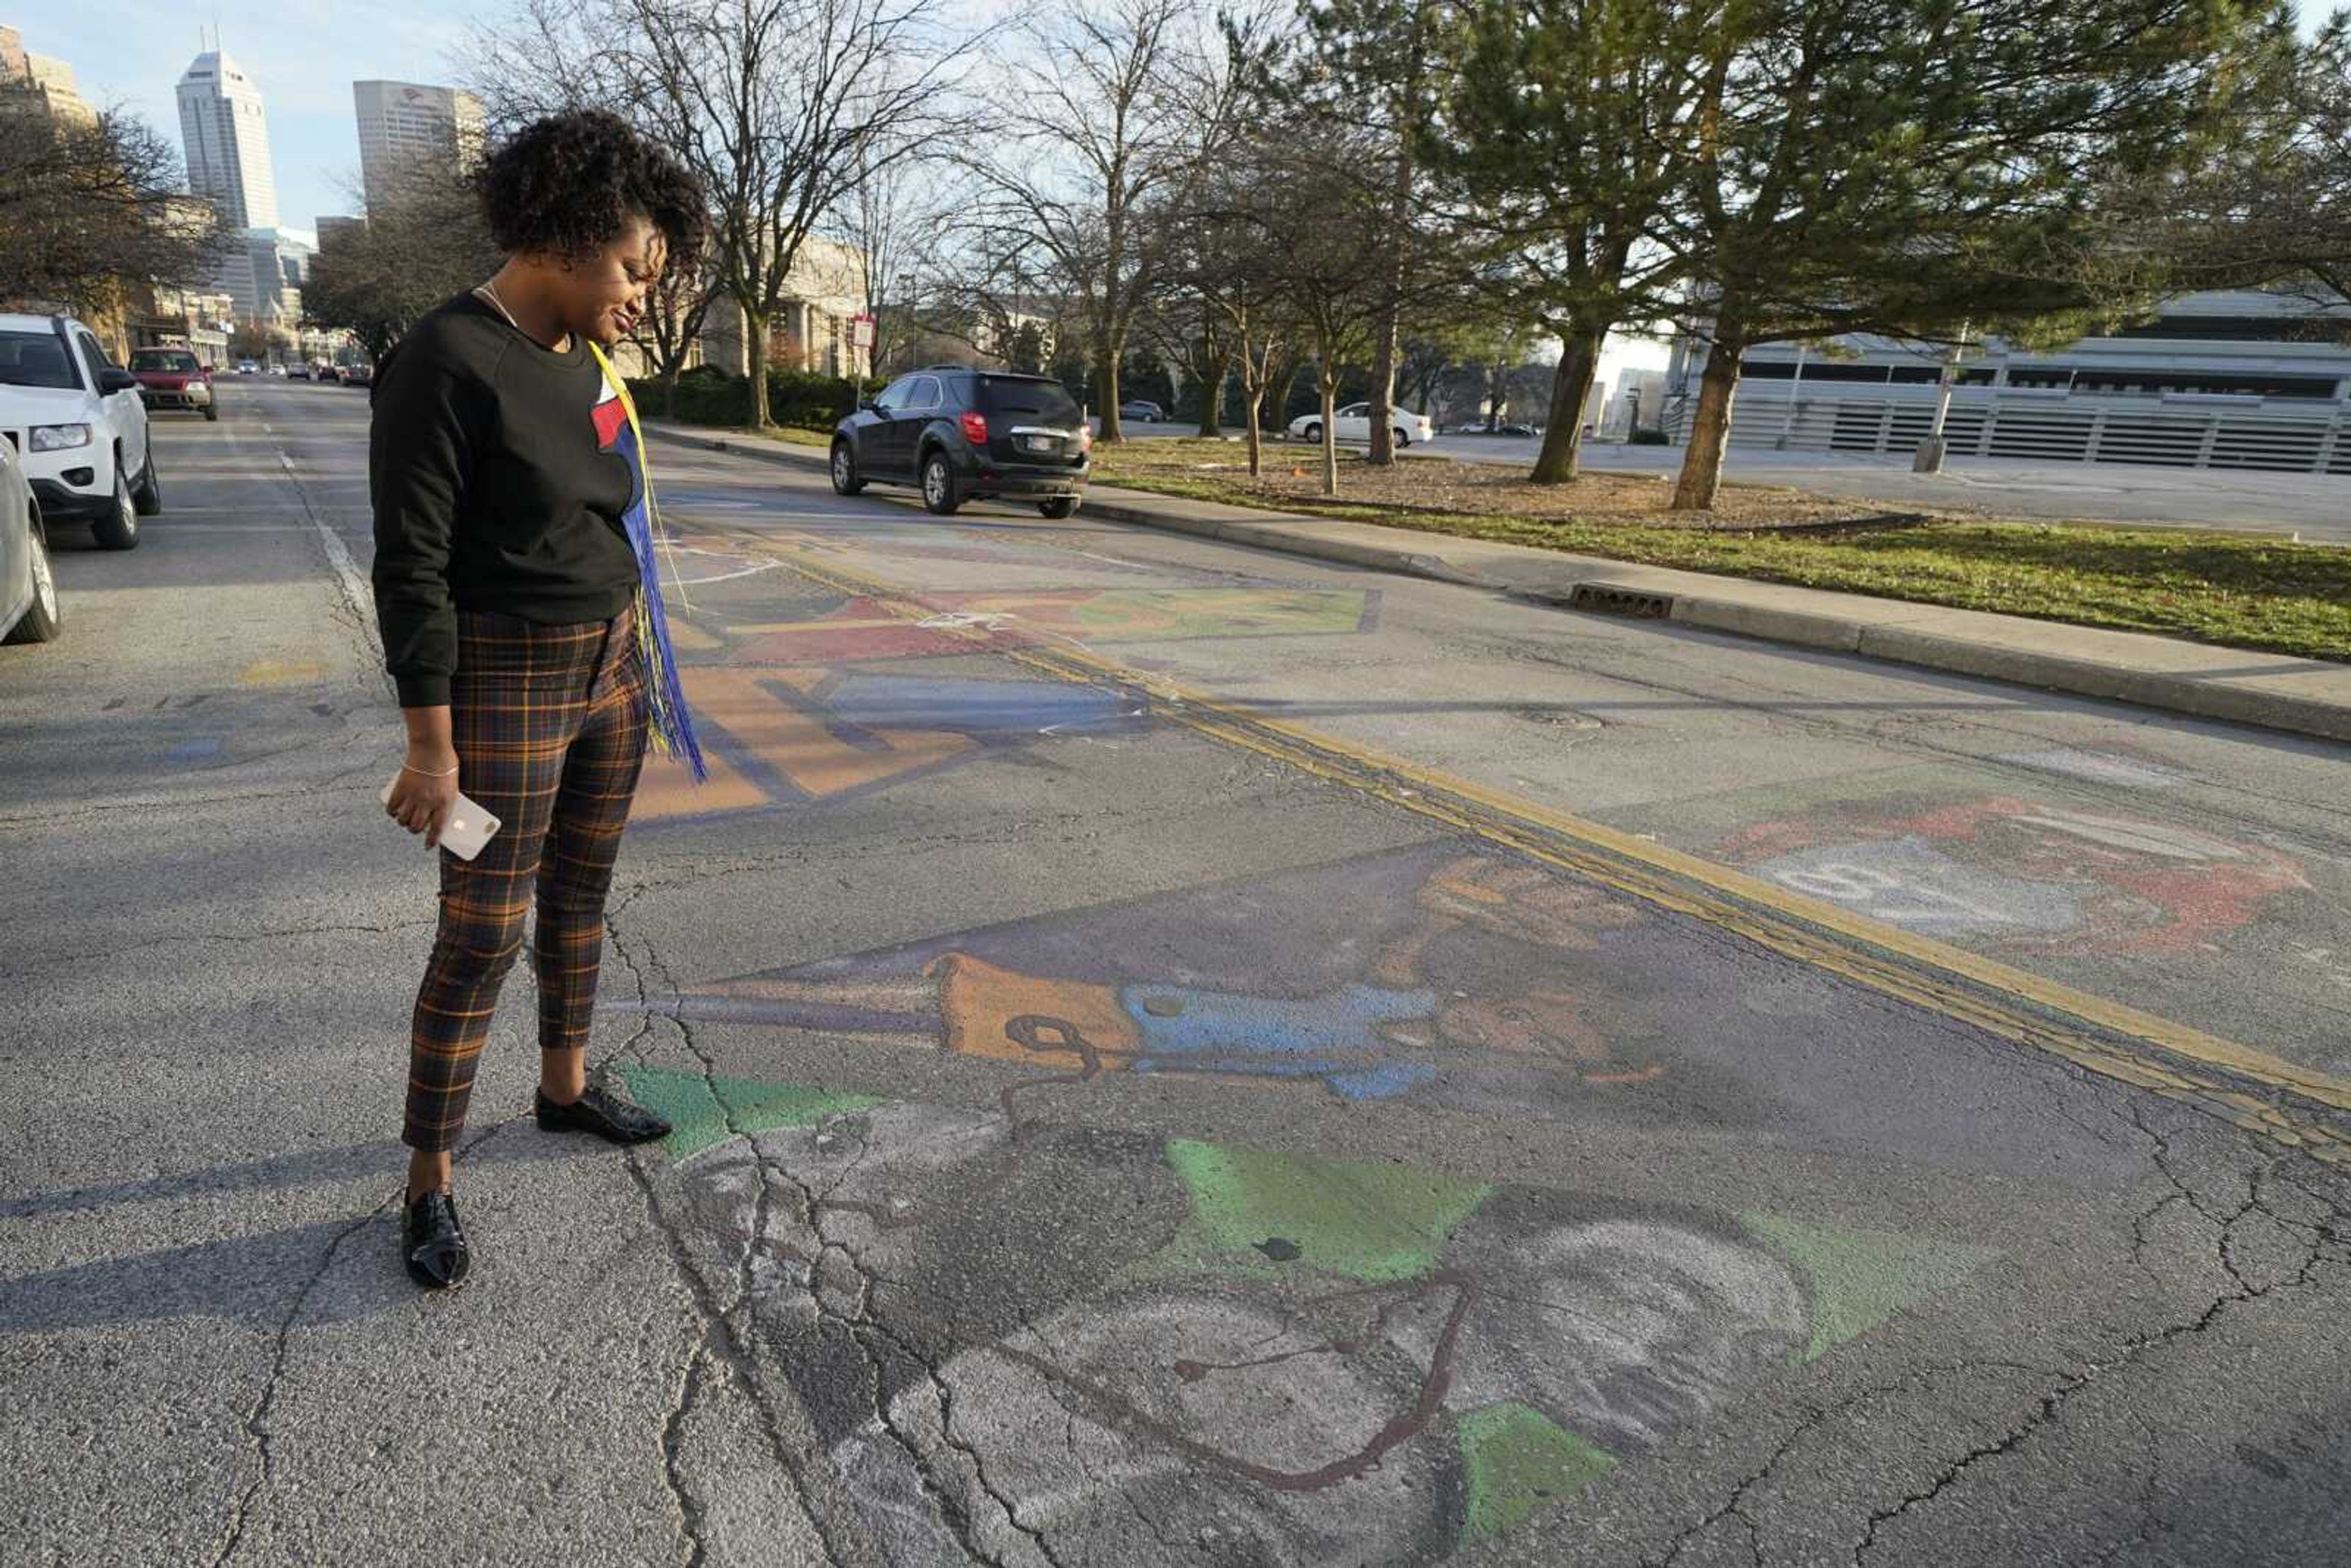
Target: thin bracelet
[{"x": 421, "y": 773}]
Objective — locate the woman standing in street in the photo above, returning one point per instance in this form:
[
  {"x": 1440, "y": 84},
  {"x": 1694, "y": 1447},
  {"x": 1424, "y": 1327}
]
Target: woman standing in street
[{"x": 521, "y": 611}]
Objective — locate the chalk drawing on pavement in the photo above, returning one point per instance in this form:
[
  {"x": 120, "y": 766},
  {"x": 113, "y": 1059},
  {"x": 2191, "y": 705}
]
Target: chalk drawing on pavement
[
  {"x": 1931, "y": 849},
  {"x": 1013, "y": 1334},
  {"x": 780, "y": 736},
  {"x": 1465, "y": 979},
  {"x": 795, "y": 712},
  {"x": 863, "y": 629}
]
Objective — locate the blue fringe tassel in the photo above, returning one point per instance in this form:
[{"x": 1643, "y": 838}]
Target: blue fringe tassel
[{"x": 667, "y": 715}]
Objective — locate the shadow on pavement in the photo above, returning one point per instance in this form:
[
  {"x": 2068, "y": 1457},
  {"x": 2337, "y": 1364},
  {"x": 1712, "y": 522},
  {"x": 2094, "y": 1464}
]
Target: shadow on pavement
[{"x": 386, "y": 1156}]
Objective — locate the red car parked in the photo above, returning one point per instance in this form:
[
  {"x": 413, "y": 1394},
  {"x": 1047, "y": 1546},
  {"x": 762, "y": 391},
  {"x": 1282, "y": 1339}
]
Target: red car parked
[{"x": 173, "y": 378}]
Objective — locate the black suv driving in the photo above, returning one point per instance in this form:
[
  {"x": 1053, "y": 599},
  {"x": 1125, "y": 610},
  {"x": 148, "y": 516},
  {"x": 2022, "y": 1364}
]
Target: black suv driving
[{"x": 961, "y": 435}]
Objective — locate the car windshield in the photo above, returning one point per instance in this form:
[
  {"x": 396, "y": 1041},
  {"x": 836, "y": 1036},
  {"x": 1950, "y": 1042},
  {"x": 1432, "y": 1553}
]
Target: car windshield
[
  {"x": 163, "y": 360},
  {"x": 1045, "y": 402},
  {"x": 34, "y": 360}
]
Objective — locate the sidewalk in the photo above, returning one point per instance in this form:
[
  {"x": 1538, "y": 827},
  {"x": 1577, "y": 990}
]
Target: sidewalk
[{"x": 2305, "y": 696}]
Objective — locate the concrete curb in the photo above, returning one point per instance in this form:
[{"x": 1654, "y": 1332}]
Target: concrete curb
[{"x": 1884, "y": 632}]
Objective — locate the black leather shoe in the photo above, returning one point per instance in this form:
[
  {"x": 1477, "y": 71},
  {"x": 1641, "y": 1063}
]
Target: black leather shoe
[
  {"x": 433, "y": 1242},
  {"x": 596, "y": 1110}
]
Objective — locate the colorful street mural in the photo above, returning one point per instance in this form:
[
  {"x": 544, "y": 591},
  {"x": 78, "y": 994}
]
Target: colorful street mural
[
  {"x": 785, "y": 736},
  {"x": 1932, "y": 850},
  {"x": 959, "y": 624},
  {"x": 1017, "y": 1337},
  {"x": 796, "y": 711},
  {"x": 1430, "y": 972},
  {"x": 1442, "y": 975}
]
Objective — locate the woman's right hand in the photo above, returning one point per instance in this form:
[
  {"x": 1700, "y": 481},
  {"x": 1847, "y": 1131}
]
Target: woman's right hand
[{"x": 423, "y": 794}]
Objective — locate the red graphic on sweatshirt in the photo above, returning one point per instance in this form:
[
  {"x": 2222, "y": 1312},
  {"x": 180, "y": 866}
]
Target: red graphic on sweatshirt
[{"x": 612, "y": 418}]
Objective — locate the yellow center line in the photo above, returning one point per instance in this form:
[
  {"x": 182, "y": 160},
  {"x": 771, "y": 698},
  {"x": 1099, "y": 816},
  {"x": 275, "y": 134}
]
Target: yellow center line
[{"x": 2244, "y": 1085}]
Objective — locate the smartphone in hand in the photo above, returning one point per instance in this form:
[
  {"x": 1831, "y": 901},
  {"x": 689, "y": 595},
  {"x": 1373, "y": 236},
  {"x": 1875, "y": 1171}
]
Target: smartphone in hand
[{"x": 469, "y": 827}]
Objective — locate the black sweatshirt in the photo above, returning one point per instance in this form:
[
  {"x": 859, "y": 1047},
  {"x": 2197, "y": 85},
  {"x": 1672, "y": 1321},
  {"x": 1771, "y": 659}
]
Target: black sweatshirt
[{"x": 492, "y": 490}]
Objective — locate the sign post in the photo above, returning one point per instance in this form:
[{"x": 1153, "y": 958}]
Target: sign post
[{"x": 861, "y": 336}]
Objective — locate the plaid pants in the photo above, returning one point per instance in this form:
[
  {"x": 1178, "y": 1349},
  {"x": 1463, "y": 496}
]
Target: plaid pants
[{"x": 549, "y": 723}]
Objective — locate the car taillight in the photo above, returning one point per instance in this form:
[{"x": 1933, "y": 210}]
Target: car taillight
[{"x": 975, "y": 429}]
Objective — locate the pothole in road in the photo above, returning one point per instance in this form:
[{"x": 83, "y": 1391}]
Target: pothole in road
[{"x": 1556, "y": 717}]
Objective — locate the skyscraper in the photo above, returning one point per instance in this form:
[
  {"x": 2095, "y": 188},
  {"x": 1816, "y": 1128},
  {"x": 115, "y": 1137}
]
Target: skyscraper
[
  {"x": 403, "y": 123},
  {"x": 227, "y": 142}
]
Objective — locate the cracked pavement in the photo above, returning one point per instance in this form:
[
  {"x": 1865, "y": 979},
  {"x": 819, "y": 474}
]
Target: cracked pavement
[{"x": 1114, "y": 1130}]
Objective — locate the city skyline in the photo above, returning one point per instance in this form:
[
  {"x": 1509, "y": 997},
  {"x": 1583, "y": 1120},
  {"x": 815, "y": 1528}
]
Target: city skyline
[{"x": 304, "y": 57}]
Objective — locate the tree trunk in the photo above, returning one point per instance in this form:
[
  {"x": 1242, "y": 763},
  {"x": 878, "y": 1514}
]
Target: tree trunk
[
  {"x": 669, "y": 386},
  {"x": 1562, "y": 458},
  {"x": 1384, "y": 370},
  {"x": 1106, "y": 382},
  {"x": 1498, "y": 393},
  {"x": 754, "y": 360},
  {"x": 1283, "y": 383},
  {"x": 1330, "y": 385},
  {"x": 1253, "y": 397},
  {"x": 1709, "y": 433},
  {"x": 1212, "y": 394}
]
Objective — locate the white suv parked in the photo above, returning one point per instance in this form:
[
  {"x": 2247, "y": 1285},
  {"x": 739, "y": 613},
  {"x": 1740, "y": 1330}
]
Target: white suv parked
[
  {"x": 1353, "y": 422},
  {"x": 76, "y": 420}
]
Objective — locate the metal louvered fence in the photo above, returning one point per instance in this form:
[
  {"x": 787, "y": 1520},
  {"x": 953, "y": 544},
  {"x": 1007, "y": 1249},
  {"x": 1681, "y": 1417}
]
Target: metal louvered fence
[{"x": 2281, "y": 435}]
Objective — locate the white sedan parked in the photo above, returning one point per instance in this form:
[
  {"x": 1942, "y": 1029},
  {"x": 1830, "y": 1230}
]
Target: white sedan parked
[{"x": 1353, "y": 422}]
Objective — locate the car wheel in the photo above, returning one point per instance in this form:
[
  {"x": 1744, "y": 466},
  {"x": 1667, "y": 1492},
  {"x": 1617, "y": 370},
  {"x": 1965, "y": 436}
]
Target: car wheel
[
  {"x": 845, "y": 481},
  {"x": 148, "y": 498},
  {"x": 212, "y": 414},
  {"x": 120, "y": 531},
  {"x": 1402, "y": 440},
  {"x": 1059, "y": 507},
  {"x": 939, "y": 484},
  {"x": 1311, "y": 433},
  {"x": 39, "y": 623}
]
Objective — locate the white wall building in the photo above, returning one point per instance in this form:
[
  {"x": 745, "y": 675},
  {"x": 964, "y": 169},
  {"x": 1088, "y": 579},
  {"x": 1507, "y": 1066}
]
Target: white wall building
[
  {"x": 1636, "y": 402},
  {"x": 810, "y": 331},
  {"x": 2243, "y": 379},
  {"x": 227, "y": 138},
  {"x": 401, "y": 123}
]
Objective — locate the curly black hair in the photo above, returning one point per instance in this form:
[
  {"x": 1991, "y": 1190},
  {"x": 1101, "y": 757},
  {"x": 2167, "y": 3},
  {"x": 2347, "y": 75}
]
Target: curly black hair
[{"x": 566, "y": 185}]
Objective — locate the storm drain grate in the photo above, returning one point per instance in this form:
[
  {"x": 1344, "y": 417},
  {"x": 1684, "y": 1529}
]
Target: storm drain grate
[{"x": 1602, "y": 599}]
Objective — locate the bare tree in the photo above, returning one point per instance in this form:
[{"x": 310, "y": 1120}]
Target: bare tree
[
  {"x": 1111, "y": 111},
  {"x": 425, "y": 241},
  {"x": 782, "y": 107},
  {"x": 1383, "y": 66},
  {"x": 93, "y": 212},
  {"x": 1231, "y": 265},
  {"x": 1194, "y": 336},
  {"x": 1318, "y": 230},
  {"x": 892, "y": 216}
]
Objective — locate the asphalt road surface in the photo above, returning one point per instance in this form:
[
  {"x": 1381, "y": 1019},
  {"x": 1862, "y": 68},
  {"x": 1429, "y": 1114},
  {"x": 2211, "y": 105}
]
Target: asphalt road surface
[
  {"x": 2308, "y": 506},
  {"x": 1180, "y": 1056}
]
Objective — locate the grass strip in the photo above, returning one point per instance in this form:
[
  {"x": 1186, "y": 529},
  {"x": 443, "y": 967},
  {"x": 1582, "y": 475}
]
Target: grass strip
[{"x": 2237, "y": 591}]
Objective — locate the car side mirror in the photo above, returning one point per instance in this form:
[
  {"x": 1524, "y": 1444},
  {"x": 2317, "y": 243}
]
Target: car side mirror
[
  {"x": 110, "y": 379},
  {"x": 871, "y": 406}
]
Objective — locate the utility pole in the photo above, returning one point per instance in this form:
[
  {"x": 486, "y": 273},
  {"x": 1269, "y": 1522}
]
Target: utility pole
[
  {"x": 1796, "y": 391},
  {"x": 1929, "y": 458}
]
